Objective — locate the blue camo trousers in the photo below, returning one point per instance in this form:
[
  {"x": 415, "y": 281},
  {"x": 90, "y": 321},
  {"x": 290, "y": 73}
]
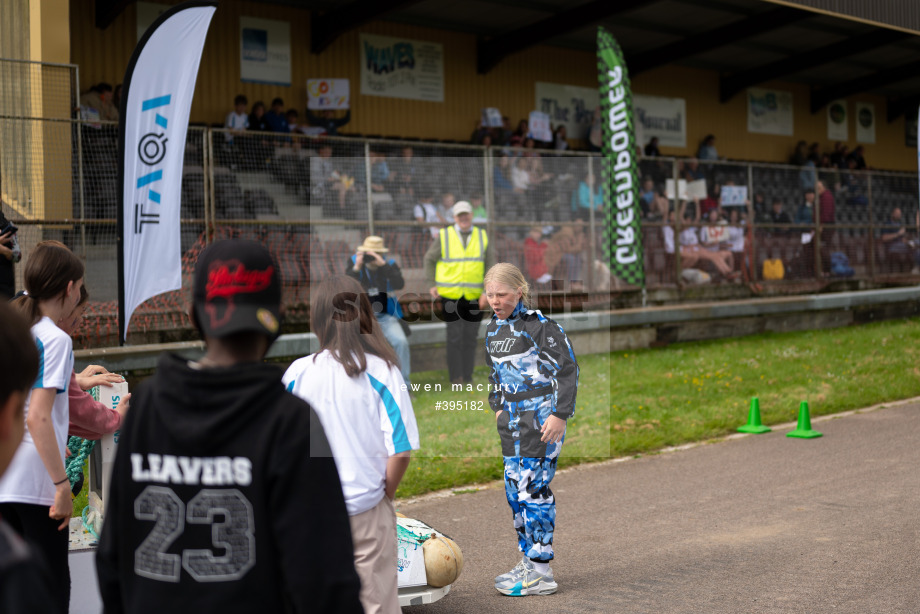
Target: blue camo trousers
[
  {"x": 532, "y": 503},
  {"x": 528, "y": 471}
]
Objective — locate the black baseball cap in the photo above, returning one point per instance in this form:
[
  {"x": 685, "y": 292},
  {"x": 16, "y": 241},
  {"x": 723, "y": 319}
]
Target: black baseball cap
[{"x": 237, "y": 288}]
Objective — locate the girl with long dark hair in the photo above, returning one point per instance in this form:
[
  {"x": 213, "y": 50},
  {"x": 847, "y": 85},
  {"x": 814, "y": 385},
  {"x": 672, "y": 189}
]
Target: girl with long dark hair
[
  {"x": 359, "y": 394},
  {"x": 35, "y": 492}
]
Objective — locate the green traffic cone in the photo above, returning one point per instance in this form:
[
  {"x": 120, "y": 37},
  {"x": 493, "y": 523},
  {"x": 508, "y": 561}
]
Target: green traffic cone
[
  {"x": 753, "y": 424},
  {"x": 803, "y": 430}
]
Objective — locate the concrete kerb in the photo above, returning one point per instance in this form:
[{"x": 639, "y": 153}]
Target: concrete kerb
[{"x": 452, "y": 492}]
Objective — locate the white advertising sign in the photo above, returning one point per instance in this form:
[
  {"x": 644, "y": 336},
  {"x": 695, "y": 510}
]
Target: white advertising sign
[
  {"x": 770, "y": 111},
  {"x": 865, "y": 122},
  {"x": 665, "y": 118},
  {"x": 491, "y": 118},
  {"x": 538, "y": 126},
  {"x": 733, "y": 195},
  {"x": 328, "y": 94},
  {"x": 401, "y": 68},
  {"x": 158, "y": 87},
  {"x": 265, "y": 51},
  {"x": 568, "y": 105},
  {"x": 837, "y": 121}
]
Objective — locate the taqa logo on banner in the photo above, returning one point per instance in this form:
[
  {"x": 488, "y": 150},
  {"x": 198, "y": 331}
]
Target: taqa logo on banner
[
  {"x": 151, "y": 150},
  {"x": 158, "y": 86}
]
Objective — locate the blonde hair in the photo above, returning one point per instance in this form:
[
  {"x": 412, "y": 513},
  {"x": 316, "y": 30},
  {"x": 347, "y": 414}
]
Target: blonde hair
[{"x": 508, "y": 274}]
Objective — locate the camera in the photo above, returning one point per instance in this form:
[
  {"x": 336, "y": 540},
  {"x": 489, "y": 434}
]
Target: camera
[
  {"x": 9, "y": 228},
  {"x": 368, "y": 259}
]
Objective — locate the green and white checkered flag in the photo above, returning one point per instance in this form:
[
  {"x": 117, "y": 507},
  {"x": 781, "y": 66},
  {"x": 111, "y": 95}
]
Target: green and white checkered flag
[{"x": 621, "y": 181}]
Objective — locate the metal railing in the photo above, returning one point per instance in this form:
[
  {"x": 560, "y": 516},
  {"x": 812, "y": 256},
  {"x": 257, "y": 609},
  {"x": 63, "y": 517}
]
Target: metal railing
[{"x": 313, "y": 200}]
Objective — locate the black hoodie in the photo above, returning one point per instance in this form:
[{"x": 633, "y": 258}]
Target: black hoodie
[{"x": 224, "y": 498}]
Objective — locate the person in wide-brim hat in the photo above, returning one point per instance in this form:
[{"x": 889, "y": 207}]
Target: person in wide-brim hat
[{"x": 373, "y": 244}]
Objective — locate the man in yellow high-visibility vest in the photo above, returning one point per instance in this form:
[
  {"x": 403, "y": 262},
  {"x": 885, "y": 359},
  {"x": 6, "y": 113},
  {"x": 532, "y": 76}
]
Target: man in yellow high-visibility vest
[{"x": 455, "y": 265}]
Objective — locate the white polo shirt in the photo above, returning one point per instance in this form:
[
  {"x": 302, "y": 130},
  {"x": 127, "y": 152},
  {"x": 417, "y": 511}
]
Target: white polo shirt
[
  {"x": 26, "y": 480},
  {"x": 367, "y": 419}
]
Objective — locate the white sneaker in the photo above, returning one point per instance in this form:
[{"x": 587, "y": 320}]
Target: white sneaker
[
  {"x": 530, "y": 582},
  {"x": 516, "y": 571}
]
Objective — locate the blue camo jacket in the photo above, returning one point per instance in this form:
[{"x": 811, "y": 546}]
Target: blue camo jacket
[{"x": 530, "y": 358}]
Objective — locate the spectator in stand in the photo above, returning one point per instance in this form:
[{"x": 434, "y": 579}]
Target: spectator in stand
[
  {"x": 778, "y": 215},
  {"x": 257, "y": 120},
  {"x": 405, "y": 171},
  {"x": 760, "y": 206},
  {"x": 480, "y": 215},
  {"x": 328, "y": 121},
  {"x": 504, "y": 134},
  {"x": 805, "y": 212},
  {"x": 380, "y": 171},
  {"x": 647, "y": 197},
  {"x": 329, "y": 186},
  {"x": 518, "y": 136},
  {"x": 99, "y": 100},
  {"x": 736, "y": 231},
  {"x": 842, "y": 157},
  {"x": 293, "y": 121},
  {"x": 595, "y": 132},
  {"x": 800, "y": 155},
  {"x": 894, "y": 238},
  {"x": 566, "y": 249},
  {"x": 479, "y": 132},
  {"x": 829, "y": 172},
  {"x": 590, "y": 194},
  {"x": 711, "y": 202},
  {"x": 447, "y": 206},
  {"x": 559, "y": 139},
  {"x": 275, "y": 117},
  {"x": 827, "y": 216},
  {"x": 857, "y": 157},
  {"x": 814, "y": 153},
  {"x": 500, "y": 173},
  {"x": 707, "y": 150},
  {"x": 651, "y": 149},
  {"x": 535, "y": 167},
  {"x": 237, "y": 120},
  {"x": 691, "y": 252},
  {"x": 535, "y": 256},
  {"x": 427, "y": 212},
  {"x": 520, "y": 175},
  {"x": 715, "y": 233},
  {"x": 692, "y": 170}
]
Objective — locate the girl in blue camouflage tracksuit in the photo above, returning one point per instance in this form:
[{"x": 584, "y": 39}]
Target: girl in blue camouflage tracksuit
[{"x": 533, "y": 382}]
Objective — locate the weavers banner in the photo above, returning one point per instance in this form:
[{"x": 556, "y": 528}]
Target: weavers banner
[
  {"x": 621, "y": 187},
  {"x": 156, "y": 101}
]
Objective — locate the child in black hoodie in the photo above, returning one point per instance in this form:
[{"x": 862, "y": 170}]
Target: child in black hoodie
[{"x": 225, "y": 496}]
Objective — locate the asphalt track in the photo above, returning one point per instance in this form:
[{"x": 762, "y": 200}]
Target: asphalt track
[{"x": 760, "y": 523}]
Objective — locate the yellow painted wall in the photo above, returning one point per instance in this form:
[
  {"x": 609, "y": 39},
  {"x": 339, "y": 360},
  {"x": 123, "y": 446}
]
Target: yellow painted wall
[
  {"x": 102, "y": 56},
  {"x": 728, "y": 121}
]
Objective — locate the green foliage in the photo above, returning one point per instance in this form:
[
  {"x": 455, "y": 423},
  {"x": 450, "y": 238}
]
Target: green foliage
[{"x": 636, "y": 402}]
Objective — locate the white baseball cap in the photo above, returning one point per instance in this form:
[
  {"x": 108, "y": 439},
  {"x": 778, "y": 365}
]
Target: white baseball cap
[{"x": 461, "y": 207}]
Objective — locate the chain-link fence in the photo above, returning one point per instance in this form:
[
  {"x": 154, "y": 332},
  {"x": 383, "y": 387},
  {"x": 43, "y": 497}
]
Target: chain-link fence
[{"x": 312, "y": 201}]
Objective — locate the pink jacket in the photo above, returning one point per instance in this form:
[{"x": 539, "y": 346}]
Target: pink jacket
[{"x": 89, "y": 418}]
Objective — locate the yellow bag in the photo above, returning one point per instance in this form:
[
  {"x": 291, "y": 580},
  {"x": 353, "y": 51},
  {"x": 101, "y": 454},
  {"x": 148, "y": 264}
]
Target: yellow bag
[{"x": 773, "y": 269}]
